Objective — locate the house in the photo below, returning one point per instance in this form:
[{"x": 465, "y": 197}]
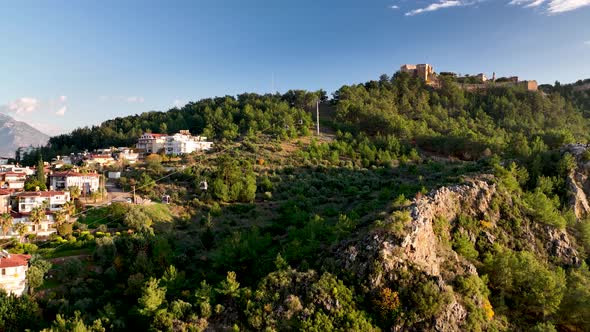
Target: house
[
  {"x": 44, "y": 228},
  {"x": 151, "y": 143},
  {"x": 13, "y": 272},
  {"x": 183, "y": 143},
  {"x": 100, "y": 159},
  {"x": 180, "y": 143},
  {"x": 12, "y": 180},
  {"x": 61, "y": 161},
  {"x": 126, "y": 154},
  {"x": 25, "y": 202},
  {"x": 87, "y": 182},
  {"x": 4, "y": 160},
  {"x": 4, "y": 201},
  {"x": 17, "y": 169}
]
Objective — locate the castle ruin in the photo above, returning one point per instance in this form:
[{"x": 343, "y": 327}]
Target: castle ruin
[{"x": 478, "y": 82}]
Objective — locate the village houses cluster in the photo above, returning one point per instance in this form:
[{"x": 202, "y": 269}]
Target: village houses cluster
[{"x": 34, "y": 211}]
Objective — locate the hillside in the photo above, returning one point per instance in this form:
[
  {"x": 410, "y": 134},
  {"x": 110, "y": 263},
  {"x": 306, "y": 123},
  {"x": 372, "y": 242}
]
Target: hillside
[
  {"x": 417, "y": 209},
  {"x": 15, "y": 134}
]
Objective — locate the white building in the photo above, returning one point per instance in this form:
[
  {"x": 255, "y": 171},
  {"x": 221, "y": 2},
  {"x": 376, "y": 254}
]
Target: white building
[
  {"x": 100, "y": 159},
  {"x": 13, "y": 273},
  {"x": 127, "y": 154},
  {"x": 12, "y": 180},
  {"x": 151, "y": 143},
  {"x": 184, "y": 142},
  {"x": 44, "y": 228},
  {"x": 180, "y": 143},
  {"x": 87, "y": 182},
  {"x": 17, "y": 169},
  {"x": 4, "y": 201},
  {"x": 25, "y": 202}
]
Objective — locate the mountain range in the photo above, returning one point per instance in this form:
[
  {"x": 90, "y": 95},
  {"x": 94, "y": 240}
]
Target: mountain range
[{"x": 14, "y": 134}]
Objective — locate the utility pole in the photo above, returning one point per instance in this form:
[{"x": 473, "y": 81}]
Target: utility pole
[
  {"x": 133, "y": 188},
  {"x": 317, "y": 116},
  {"x": 103, "y": 178}
]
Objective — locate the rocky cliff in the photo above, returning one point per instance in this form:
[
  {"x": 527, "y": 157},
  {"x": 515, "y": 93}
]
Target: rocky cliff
[
  {"x": 578, "y": 183},
  {"x": 414, "y": 246}
]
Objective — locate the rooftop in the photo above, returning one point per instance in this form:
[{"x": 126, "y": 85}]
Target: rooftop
[
  {"x": 72, "y": 173},
  {"x": 14, "y": 260},
  {"x": 13, "y": 173},
  {"x": 39, "y": 193}
]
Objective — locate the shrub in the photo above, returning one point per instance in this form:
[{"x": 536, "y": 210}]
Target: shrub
[{"x": 463, "y": 246}]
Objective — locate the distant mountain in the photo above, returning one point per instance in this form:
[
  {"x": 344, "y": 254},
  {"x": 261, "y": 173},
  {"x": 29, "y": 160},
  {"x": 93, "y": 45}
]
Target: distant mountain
[{"x": 14, "y": 134}]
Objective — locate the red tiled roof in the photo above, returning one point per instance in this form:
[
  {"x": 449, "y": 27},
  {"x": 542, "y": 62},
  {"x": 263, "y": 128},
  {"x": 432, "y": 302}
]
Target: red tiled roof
[
  {"x": 40, "y": 193},
  {"x": 13, "y": 173},
  {"x": 100, "y": 156},
  {"x": 4, "y": 192},
  {"x": 72, "y": 173},
  {"x": 15, "y": 260},
  {"x": 155, "y": 135}
]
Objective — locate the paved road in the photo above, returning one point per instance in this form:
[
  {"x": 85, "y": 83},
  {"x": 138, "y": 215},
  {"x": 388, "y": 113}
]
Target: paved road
[{"x": 115, "y": 193}]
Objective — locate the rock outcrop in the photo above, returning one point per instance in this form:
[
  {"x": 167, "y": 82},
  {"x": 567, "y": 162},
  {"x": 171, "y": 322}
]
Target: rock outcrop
[
  {"x": 416, "y": 243},
  {"x": 578, "y": 184},
  {"x": 382, "y": 257}
]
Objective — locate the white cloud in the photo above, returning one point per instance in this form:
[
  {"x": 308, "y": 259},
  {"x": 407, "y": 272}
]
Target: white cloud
[
  {"x": 394, "y": 7},
  {"x": 23, "y": 105},
  {"x": 61, "y": 111},
  {"x": 587, "y": 43},
  {"x": 553, "y": 6},
  {"x": 549, "y": 6},
  {"x": 125, "y": 99},
  {"x": 436, "y": 6},
  {"x": 63, "y": 99},
  {"x": 134, "y": 99},
  {"x": 527, "y": 3}
]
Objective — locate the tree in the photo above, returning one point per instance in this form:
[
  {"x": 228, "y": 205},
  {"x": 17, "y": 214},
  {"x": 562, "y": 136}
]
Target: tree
[
  {"x": 234, "y": 181},
  {"x": 95, "y": 195},
  {"x": 37, "y": 216},
  {"x": 69, "y": 208},
  {"x": 40, "y": 172},
  {"x": 37, "y": 270},
  {"x": 74, "y": 192},
  {"x": 59, "y": 217},
  {"x": 137, "y": 219},
  {"x": 153, "y": 163},
  {"x": 152, "y": 297},
  {"x": 575, "y": 307},
  {"x": 21, "y": 229},
  {"x": 230, "y": 286},
  {"x": 18, "y": 313},
  {"x": 5, "y": 222},
  {"x": 145, "y": 184},
  {"x": 526, "y": 283}
]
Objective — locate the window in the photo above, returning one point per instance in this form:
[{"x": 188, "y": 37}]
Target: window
[{"x": 3, "y": 272}]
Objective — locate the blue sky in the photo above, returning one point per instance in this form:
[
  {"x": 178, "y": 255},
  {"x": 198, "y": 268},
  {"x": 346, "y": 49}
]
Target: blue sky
[{"x": 65, "y": 64}]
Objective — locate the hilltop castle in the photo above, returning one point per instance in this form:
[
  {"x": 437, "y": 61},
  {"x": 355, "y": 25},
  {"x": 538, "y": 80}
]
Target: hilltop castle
[
  {"x": 423, "y": 71},
  {"x": 470, "y": 83}
]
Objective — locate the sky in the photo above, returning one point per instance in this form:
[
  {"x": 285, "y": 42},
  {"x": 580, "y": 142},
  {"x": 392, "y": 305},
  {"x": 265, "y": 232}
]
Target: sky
[{"x": 67, "y": 64}]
